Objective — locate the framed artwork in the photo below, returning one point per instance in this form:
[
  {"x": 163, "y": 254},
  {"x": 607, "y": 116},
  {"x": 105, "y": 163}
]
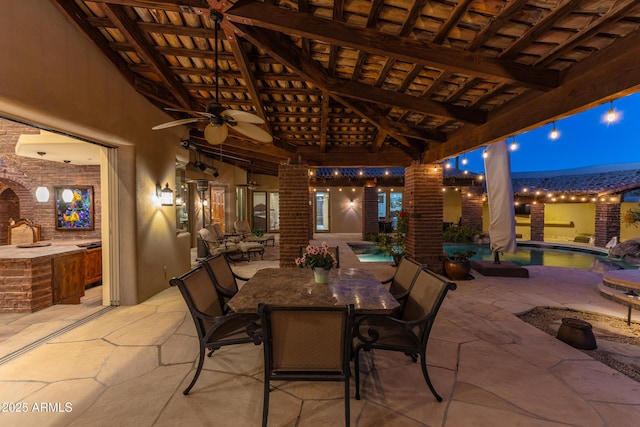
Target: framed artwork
[{"x": 78, "y": 213}]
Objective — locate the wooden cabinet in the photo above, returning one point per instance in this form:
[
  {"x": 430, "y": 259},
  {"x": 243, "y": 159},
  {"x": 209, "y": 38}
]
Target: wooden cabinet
[
  {"x": 92, "y": 266},
  {"x": 68, "y": 278}
]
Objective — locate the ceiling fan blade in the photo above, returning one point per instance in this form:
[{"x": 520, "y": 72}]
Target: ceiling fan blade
[
  {"x": 176, "y": 123},
  {"x": 243, "y": 116},
  {"x": 253, "y": 132},
  {"x": 216, "y": 135}
]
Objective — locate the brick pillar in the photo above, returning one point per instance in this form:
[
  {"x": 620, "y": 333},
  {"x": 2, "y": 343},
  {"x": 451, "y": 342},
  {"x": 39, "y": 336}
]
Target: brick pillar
[
  {"x": 293, "y": 182},
  {"x": 472, "y": 207},
  {"x": 607, "y": 222},
  {"x": 424, "y": 204},
  {"x": 369, "y": 211},
  {"x": 537, "y": 222}
]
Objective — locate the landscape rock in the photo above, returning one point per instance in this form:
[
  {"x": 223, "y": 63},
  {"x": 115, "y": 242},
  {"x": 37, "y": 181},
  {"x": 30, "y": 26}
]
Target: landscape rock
[
  {"x": 601, "y": 265},
  {"x": 628, "y": 248}
]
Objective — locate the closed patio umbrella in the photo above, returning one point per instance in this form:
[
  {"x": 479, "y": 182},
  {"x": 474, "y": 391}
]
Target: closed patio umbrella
[{"x": 502, "y": 227}]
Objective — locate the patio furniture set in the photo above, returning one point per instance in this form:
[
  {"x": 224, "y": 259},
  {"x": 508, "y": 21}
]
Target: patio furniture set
[
  {"x": 242, "y": 244},
  {"x": 311, "y": 331}
]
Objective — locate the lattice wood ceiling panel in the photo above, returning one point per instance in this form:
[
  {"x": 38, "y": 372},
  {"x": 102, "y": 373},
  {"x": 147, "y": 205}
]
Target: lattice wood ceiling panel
[{"x": 370, "y": 82}]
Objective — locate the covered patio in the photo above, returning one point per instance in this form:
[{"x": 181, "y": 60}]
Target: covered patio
[{"x": 130, "y": 365}]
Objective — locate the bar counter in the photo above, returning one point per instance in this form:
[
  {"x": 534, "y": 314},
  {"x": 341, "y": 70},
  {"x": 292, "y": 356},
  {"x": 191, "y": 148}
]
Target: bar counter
[{"x": 37, "y": 277}]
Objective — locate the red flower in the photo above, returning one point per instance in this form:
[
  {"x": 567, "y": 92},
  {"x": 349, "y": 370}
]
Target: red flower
[{"x": 402, "y": 214}]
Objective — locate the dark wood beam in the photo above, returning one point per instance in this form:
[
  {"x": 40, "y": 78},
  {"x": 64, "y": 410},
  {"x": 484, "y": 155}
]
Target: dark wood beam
[
  {"x": 242, "y": 62},
  {"x": 613, "y": 73},
  {"x": 355, "y": 156},
  {"x": 142, "y": 46},
  {"x": 285, "y": 50},
  {"x": 403, "y": 48},
  {"x": 511, "y": 8},
  {"x": 458, "y": 11}
]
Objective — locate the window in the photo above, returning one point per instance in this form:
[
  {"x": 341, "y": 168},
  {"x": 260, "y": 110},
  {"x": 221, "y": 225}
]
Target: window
[
  {"x": 395, "y": 206},
  {"x": 322, "y": 210}
]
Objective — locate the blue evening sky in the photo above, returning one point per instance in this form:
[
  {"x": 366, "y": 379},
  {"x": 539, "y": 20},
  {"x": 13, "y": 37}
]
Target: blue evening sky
[{"x": 585, "y": 140}]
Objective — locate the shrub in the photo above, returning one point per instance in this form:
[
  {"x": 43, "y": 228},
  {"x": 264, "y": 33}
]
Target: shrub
[{"x": 460, "y": 234}]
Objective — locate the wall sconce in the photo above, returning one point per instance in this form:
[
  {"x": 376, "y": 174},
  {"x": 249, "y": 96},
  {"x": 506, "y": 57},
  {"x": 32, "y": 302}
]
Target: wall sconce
[
  {"x": 164, "y": 195},
  {"x": 351, "y": 203}
]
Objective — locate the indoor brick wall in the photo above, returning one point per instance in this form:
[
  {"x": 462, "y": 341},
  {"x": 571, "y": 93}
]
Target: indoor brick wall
[
  {"x": 293, "y": 183},
  {"x": 607, "y": 222},
  {"x": 25, "y": 284},
  {"x": 472, "y": 207},
  {"x": 424, "y": 205},
  {"x": 20, "y": 176},
  {"x": 370, "y": 211},
  {"x": 537, "y": 222}
]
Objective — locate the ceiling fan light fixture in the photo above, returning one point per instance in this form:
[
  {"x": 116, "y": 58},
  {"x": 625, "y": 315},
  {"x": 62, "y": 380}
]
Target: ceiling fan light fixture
[{"x": 216, "y": 134}]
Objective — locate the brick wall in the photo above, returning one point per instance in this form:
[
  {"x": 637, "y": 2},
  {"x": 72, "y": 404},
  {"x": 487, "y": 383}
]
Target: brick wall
[
  {"x": 424, "y": 204},
  {"x": 293, "y": 183},
  {"x": 537, "y": 222},
  {"x": 20, "y": 176},
  {"x": 607, "y": 222},
  {"x": 25, "y": 284},
  {"x": 472, "y": 207},
  {"x": 370, "y": 211}
]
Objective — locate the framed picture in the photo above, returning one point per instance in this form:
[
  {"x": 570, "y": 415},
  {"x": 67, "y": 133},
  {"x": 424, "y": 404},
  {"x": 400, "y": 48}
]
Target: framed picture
[{"x": 77, "y": 213}]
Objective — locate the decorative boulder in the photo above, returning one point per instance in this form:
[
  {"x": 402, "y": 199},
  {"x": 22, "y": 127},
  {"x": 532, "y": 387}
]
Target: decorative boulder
[
  {"x": 628, "y": 248},
  {"x": 601, "y": 265}
]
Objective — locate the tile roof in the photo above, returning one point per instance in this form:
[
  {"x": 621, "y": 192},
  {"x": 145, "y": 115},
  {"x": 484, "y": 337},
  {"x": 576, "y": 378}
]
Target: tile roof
[{"x": 595, "y": 180}]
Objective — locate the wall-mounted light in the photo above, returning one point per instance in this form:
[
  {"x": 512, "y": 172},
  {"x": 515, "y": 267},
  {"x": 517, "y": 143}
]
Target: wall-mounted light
[
  {"x": 351, "y": 203},
  {"x": 42, "y": 192},
  {"x": 164, "y": 195}
]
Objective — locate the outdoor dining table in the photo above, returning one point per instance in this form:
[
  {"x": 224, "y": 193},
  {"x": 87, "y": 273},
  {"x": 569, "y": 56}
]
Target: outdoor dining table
[{"x": 296, "y": 286}]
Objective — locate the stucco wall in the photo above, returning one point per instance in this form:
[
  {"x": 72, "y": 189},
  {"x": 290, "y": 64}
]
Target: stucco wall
[{"x": 53, "y": 76}]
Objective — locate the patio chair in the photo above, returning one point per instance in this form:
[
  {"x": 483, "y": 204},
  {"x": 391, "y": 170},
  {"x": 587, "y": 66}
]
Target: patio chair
[
  {"x": 216, "y": 230},
  {"x": 306, "y": 344},
  {"x": 214, "y": 329},
  {"x": 402, "y": 280},
  {"x": 410, "y": 333},
  {"x": 335, "y": 250},
  {"x": 223, "y": 277}
]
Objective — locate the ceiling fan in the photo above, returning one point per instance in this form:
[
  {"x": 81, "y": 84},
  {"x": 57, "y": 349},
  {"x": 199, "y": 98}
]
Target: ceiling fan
[{"x": 219, "y": 118}]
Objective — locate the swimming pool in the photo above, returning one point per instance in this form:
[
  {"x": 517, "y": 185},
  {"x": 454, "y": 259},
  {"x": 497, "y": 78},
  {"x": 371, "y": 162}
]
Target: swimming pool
[{"x": 528, "y": 254}]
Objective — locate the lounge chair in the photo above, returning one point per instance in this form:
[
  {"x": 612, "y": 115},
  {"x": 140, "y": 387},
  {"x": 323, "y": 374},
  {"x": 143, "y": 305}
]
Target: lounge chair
[{"x": 243, "y": 229}]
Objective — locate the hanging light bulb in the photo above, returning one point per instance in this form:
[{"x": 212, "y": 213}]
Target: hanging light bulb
[
  {"x": 612, "y": 115},
  {"x": 514, "y": 145},
  {"x": 42, "y": 192},
  {"x": 67, "y": 194},
  {"x": 485, "y": 154},
  {"x": 464, "y": 160},
  {"x": 554, "y": 134}
]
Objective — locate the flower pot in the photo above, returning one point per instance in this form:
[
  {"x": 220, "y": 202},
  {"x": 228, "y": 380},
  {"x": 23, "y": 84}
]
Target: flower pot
[
  {"x": 457, "y": 269},
  {"x": 321, "y": 275},
  {"x": 396, "y": 259}
]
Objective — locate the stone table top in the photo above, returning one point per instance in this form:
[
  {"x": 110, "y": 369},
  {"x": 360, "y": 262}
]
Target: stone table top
[
  {"x": 13, "y": 252},
  {"x": 296, "y": 286}
]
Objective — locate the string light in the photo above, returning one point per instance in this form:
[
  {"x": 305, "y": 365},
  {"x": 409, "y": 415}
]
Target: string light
[
  {"x": 484, "y": 154},
  {"x": 555, "y": 133},
  {"x": 514, "y": 145},
  {"x": 464, "y": 160},
  {"x": 612, "y": 115}
]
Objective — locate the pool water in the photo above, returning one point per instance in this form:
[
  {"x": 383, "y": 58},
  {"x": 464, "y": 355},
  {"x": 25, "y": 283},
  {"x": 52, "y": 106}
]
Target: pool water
[{"x": 555, "y": 257}]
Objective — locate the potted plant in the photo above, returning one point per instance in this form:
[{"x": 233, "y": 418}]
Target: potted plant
[
  {"x": 458, "y": 266},
  {"x": 320, "y": 260},
  {"x": 394, "y": 246}
]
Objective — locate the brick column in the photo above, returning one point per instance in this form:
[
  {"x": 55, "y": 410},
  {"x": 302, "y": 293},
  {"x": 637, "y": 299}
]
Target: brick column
[
  {"x": 424, "y": 204},
  {"x": 472, "y": 207},
  {"x": 293, "y": 182},
  {"x": 537, "y": 222},
  {"x": 607, "y": 222},
  {"x": 369, "y": 211}
]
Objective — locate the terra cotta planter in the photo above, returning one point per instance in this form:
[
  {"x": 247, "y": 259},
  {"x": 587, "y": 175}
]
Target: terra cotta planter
[{"x": 457, "y": 269}]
